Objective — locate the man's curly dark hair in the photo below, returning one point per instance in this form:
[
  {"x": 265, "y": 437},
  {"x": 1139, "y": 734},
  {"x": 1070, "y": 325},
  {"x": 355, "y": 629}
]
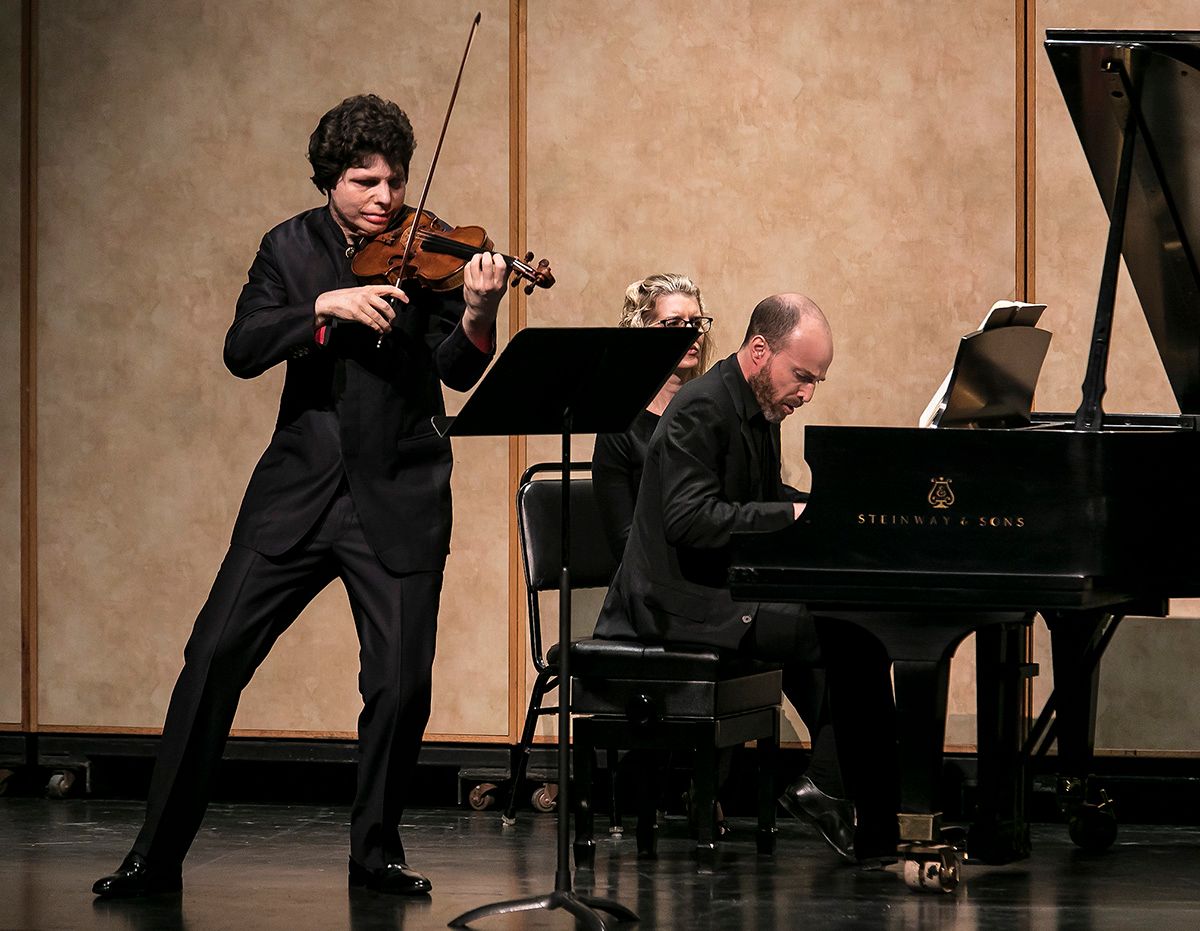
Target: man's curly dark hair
[{"x": 353, "y": 131}]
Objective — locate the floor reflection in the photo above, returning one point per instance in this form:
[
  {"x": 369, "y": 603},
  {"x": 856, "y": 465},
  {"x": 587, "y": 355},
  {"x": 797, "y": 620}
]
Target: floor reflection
[{"x": 285, "y": 867}]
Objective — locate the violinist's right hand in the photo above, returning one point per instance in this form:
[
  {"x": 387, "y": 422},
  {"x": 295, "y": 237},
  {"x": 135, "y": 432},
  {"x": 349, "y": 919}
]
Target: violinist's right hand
[{"x": 365, "y": 305}]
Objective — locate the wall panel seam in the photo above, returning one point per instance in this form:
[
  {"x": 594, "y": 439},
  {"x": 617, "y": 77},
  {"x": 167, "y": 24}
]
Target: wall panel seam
[
  {"x": 127, "y": 730},
  {"x": 1026, "y": 204},
  {"x": 1029, "y": 47},
  {"x": 517, "y": 87},
  {"x": 28, "y": 376}
]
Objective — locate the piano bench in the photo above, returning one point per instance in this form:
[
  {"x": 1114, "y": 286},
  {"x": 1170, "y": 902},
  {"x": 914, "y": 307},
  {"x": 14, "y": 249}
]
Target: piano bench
[{"x": 653, "y": 697}]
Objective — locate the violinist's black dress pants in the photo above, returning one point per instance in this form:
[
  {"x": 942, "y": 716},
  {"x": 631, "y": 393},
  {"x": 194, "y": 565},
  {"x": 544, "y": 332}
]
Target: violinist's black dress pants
[{"x": 254, "y": 599}]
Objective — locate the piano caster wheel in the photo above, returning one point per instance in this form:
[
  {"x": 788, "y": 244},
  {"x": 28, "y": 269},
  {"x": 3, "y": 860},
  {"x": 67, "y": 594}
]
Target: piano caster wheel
[
  {"x": 955, "y": 836},
  {"x": 931, "y": 869},
  {"x": 545, "y": 799},
  {"x": 482, "y": 797},
  {"x": 1094, "y": 827}
]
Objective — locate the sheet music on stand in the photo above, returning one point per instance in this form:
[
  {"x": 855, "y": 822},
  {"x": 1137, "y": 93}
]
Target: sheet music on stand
[{"x": 994, "y": 375}]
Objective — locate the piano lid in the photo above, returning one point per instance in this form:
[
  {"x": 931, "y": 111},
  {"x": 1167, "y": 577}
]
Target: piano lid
[{"x": 1162, "y": 227}]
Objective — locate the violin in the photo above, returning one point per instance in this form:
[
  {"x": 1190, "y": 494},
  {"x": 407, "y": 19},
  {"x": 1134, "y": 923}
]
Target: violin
[{"x": 434, "y": 254}]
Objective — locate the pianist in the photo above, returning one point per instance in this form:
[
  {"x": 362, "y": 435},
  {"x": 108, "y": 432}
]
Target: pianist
[{"x": 713, "y": 468}]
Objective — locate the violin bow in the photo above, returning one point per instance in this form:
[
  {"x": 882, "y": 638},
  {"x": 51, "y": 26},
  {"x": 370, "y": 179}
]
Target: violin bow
[
  {"x": 412, "y": 233},
  {"x": 425, "y": 191},
  {"x": 429, "y": 179}
]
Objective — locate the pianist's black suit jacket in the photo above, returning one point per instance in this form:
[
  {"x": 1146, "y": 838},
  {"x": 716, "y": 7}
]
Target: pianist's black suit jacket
[
  {"x": 712, "y": 468},
  {"x": 348, "y": 407}
]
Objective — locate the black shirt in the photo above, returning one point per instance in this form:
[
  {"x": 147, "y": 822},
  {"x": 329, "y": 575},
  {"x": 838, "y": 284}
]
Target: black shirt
[
  {"x": 765, "y": 437},
  {"x": 617, "y": 463}
]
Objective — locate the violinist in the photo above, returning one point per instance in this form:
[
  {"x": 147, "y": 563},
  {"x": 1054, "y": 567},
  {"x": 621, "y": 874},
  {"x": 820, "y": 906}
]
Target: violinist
[{"x": 354, "y": 485}]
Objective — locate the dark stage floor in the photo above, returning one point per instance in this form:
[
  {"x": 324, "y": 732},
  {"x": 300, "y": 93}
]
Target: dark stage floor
[{"x": 265, "y": 867}]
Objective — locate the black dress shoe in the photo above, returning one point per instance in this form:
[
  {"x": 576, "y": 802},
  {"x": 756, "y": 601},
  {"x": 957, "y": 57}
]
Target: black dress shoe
[
  {"x": 833, "y": 817},
  {"x": 394, "y": 879},
  {"x": 135, "y": 877}
]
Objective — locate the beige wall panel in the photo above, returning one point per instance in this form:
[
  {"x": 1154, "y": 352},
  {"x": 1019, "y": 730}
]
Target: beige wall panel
[
  {"x": 10, "y": 365},
  {"x": 1146, "y": 673},
  {"x": 1147, "y": 699},
  {"x": 173, "y": 137},
  {"x": 862, "y": 153}
]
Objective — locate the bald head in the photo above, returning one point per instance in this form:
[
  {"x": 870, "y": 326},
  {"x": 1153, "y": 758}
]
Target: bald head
[
  {"x": 776, "y": 319},
  {"x": 786, "y": 353}
]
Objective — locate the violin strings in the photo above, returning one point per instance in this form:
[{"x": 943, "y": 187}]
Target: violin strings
[{"x": 461, "y": 250}]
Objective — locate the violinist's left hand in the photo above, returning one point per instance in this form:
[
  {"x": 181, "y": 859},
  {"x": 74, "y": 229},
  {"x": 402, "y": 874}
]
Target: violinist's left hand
[{"x": 485, "y": 279}]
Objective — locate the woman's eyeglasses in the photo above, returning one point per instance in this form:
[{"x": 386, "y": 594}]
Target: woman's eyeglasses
[{"x": 703, "y": 324}]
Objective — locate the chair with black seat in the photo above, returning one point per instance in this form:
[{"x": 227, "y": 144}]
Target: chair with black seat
[
  {"x": 539, "y": 515},
  {"x": 631, "y": 695}
]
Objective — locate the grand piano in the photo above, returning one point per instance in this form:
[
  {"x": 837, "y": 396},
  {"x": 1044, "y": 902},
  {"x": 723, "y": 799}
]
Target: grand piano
[{"x": 924, "y": 536}]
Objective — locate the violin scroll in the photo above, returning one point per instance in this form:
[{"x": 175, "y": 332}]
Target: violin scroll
[{"x": 538, "y": 277}]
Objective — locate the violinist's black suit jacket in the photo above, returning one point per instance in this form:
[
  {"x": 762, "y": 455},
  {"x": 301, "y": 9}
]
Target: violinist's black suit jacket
[
  {"x": 712, "y": 468},
  {"x": 354, "y": 485},
  {"x": 349, "y": 408}
]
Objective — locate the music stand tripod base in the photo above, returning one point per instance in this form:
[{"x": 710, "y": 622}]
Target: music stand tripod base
[{"x": 582, "y": 907}]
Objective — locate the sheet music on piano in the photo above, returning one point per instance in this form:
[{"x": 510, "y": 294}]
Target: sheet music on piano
[{"x": 992, "y": 375}]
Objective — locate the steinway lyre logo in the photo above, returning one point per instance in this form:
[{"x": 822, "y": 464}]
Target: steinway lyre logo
[{"x": 940, "y": 495}]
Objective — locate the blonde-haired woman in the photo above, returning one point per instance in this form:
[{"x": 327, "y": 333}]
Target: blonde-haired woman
[
  {"x": 670, "y": 301},
  {"x": 660, "y": 300}
]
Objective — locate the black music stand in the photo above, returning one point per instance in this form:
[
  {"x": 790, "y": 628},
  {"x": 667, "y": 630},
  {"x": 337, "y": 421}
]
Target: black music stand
[{"x": 562, "y": 381}]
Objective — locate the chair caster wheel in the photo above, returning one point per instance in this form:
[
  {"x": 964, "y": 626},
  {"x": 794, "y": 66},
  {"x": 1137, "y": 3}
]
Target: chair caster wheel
[
  {"x": 60, "y": 784},
  {"x": 1094, "y": 827},
  {"x": 545, "y": 799},
  {"x": 932, "y": 869},
  {"x": 482, "y": 797}
]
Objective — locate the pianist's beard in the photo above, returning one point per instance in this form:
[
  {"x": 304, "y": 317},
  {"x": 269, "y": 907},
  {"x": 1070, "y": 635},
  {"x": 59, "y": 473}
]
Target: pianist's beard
[{"x": 760, "y": 383}]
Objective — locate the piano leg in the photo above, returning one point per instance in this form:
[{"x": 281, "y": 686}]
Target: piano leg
[
  {"x": 999, "y": 832},
  {"x": 1077, "y": 640},
  {"x": 920, "y": 645},
  {"x": 921, "y": 690}
]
